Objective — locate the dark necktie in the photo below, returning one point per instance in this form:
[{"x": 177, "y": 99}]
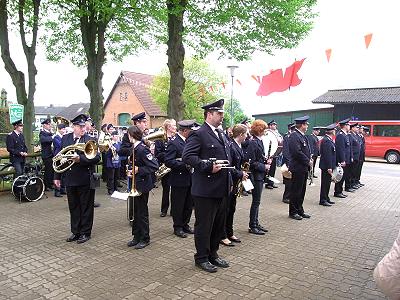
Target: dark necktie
[
  {"x": 219, "y": 134},
  {"x": 76, "y": 140}
]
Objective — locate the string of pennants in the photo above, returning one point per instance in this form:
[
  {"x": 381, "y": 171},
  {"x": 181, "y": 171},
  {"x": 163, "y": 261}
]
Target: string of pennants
[{"x": 275, "y": 81}]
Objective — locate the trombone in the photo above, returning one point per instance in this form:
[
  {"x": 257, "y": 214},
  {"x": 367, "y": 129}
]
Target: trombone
[{"x": 132, "y": 191}]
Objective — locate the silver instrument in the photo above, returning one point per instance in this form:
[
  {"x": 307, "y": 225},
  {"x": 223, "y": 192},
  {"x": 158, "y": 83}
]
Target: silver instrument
[
  {"x": 220, "y": 162},
  {"x": 337, "y": 174},
  {"x": 271, "y": 148},
  {"x": 285, "y": 172}
]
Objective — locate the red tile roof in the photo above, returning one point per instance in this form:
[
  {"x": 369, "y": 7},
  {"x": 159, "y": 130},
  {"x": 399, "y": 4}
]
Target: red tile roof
[{"x": 139, "y": 83}]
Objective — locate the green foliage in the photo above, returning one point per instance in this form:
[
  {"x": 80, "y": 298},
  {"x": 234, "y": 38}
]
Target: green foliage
[
  {"x": 238, "y": 114},
  {"x": 5, "y": 126},
  {"x": 199, "y": 77}
]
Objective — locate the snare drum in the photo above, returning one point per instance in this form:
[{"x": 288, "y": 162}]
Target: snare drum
[{"x": 30, "y": 188}]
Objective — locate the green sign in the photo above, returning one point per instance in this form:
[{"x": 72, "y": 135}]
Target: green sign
[{"x": 16, "y": 112}]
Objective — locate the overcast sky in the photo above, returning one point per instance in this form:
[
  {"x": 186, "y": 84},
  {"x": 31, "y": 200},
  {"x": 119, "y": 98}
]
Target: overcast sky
[{"x": 341, "y": 25}]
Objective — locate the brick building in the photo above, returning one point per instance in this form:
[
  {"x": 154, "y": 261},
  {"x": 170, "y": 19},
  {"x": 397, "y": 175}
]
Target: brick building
[{"x": 130, "y": 96}]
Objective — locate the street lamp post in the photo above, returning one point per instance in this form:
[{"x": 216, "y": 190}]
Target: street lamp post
[{"x": 232, "y": 69}]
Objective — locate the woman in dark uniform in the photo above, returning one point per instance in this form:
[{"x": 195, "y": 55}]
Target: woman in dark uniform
[{"x": 144, "y": 165}]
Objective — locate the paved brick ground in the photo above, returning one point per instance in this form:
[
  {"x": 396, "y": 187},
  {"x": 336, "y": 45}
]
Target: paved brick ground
[{"x": 330, "y": 256}]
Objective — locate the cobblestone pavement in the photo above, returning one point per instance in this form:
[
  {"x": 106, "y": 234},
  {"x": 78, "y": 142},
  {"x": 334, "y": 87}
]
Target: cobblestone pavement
[{"x": 330, "y": 256}]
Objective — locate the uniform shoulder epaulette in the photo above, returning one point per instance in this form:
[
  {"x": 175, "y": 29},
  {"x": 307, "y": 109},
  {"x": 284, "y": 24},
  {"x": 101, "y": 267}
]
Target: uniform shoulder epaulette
[{"x": 10, "y": 133}]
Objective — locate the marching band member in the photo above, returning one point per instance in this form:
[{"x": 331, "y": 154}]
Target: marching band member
[
  {"x": 343, "y": 156},
  {"x": 169, "y": 126},
  {"x": 355, "y": 153},
  {"x": 145, "y": 164},
  {"x": 46, "y": 141},
  {"x": 300, "y": 163},
  {"x": 113, "y": 164},
  {"x": 180, "y": 180},
  {"x": 239, "y": 134},
  {"x": 286, "y": 160},
  {"x": 314, "y": 146},
  {"x": 58, "y": 192},
  {"x": 211, "y": 185},
  {"x": 361, "y": 134},
  {"x": 272, "y": 127},
  {"x": 103, "y": 155},
  {"x": 79, "y": 182},
  {"x": 16, "y": 146},
  {"x": 327, "y": 164},
  {"x": 258, "y": 167}
]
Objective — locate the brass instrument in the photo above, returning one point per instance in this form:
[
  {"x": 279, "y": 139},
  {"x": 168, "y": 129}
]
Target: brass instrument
[
  {"x": 63, "y": 160},
  {"x": 162, "y": 171},
  {"x": 132, "y": 191},
  {"x": 245, "y": 168},
  {"x": 61, "y": 120},
  {"x": 160, "y": 134},
  {"x": 220, "y": 162}
]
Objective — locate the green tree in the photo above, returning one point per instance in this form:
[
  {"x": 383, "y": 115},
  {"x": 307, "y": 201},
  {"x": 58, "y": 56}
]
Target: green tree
[
  {"x": 25, "y": 15},
  {"x": 87, "y": 30},
  {"x": 238, "y": 113},
  {"x": 234, "y": 28},
  {"x": 199, "y": 77}
]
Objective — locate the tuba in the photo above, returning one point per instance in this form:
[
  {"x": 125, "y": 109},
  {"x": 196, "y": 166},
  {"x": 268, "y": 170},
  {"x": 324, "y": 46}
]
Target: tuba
[
  {"x": 61, "y": 120},
  {"x": 63, "y": 160}
]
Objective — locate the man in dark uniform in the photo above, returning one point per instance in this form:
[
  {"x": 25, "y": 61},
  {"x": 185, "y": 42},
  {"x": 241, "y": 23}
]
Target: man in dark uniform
[
  {"x": 314, "y": 146},
  {"x": 46, "y": 141},
  {"x": 15, "y": 143},
  {"x": 343, "y": 157},
  {"x": 355, "y": 153},
  {"x": 159, "y": 152},
  {"x": 180, "y": 180},
  {"x": 79, "y": 182},
  {"x": 362, "y": 154},
  {"x": 61, "y": 129},
  {"x": 327, "y": 164},
  {"x": 286, "y": 159},
  {"x": 299, "y": 165},
  {"x": 211, "y": 185}
]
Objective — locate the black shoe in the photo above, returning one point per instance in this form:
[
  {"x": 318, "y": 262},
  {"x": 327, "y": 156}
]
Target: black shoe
[
  {"x": 141, "y": 245},
  {"x": 355, "y": 187},
  {"x": 132, "y": 243},
  {"x": 325, "y": 203},
  {"x": 207, "y": 266},
  {"x": 188, "y": 230},
  {"x": 314, "y": 176},
  {"x": 180, "y": 233},
  {"x": 73, "y": 237},
  {"x": 262, "y": 228},
  {"x": 305, "y": 216},
  {"x": 163, "y": 214},
  {"x": 287, "y": 201},
  {"x": 330, "y": 202},
  {"x": 96, "y": 204},
  {"x": 296, "y": 217},
  {"x": 227, "y": 244},
  {"x": 361, "y": 184},
  {"x": 236, "y": 240},
  {"x": 83, "y": 238},
  {"x": 275, "y": 186},
  {"x": 257, "y": 231},
  {"x": 58, "y": 195},
  {"x": 350, "y": 190},
  {"x": 219, "y": 262},
  {"x": 269, "y": 187},
  {"x": 341, "y": 195}
]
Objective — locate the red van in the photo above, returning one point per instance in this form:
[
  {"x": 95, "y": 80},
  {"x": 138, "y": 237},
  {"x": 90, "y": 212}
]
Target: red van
[{"x": 383, "y": 140}]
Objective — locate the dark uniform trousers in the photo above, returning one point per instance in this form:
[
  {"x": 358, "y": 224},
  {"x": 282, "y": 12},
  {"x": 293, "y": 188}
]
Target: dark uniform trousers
[
  {"x": 19, "y": 167},
  {"x": 288, "y": 186},
  {"x": 326, "y": 179},
  {"x": 359, "y": 169},
  {"x": 354, "y": 167},
  {"x": 255, "y": 204},
  {"x": 112, "y": 175},
  {"x": 346, "y": 179},
  {"x": 165, "y": 195},
  {"x": 298, "y": 191},
  {"x": 80, "y": 203},
  {"x": 141, "y": 229},
  {"x": 231, "y": 208},
  {"x": 209, "y": 227},
  {"x": 181, "y": 206},
  {"x": 48, "y": 172},
  {"x": 314, "y": 157}
]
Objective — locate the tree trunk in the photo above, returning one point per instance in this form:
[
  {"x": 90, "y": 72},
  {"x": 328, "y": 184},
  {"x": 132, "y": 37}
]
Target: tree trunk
[
  {"x": 18, "y": 77},
  {"x": 94, "y": 83},
  {"x": 176, "y": 56}
]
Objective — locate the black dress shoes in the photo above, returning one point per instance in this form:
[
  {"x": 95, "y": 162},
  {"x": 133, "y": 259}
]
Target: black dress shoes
[
  {"x": 305, "y": 216},
  {"x": 219, "y": 262},
  {"x": 83, "y": 238},
  {"x": 315, "y": 176},
  {"x": 73, "y": 237},
  {"x": 235, "y": 240},
  {"x": 341, "y": 195},
  {"x": 227, "y": 244},
  {"x": 269, "y": 187},
  {"x": 350, "y": 190},
  {"x": 132, "y": 243},
  {"x": 163, "y": 214},
  {"x": 141, "y": 245},
  {"x": 207, "y": 266},
  {"x": 275, "y": 186},
  {"x": 96, "y": 204},
  {"x": 257, "y": 231},
  {"x": 287, "y": 201},
  {"x": 180, "y": 233},
  {"x": 325, "y": 203},
  {"x": 188, "y": 230},
  {"x": 58, "y": 195},
  {"x": 296, "y": 217},
  {"x": 330, "y": 202},
  {"x": 259, "y": 227}
]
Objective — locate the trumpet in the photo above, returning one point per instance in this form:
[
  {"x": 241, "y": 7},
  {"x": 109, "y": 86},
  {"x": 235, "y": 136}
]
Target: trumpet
[
  {"x": 220, "y": 162},
  {"x": 63, "y": 160}
]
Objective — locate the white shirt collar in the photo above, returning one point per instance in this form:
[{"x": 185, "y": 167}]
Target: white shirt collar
[
  {"x": 240, "y": 146},
  {"x": 182, "y": 137},
  {"x": 17, "y": 133},
  {"x": 300, "y": 131},
  {"x": 212, "y": 127},
  {"x": 136, "y": 144}
]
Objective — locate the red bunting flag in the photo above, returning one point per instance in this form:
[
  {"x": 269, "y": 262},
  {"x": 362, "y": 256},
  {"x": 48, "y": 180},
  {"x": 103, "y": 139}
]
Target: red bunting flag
[
  {"x": 211, "y": 88},
  {"x": 367, "y": 39},
  {"x": 223, "y": 85},
  {"x": 277, "y": 82},
  {"x": 256, "y": 78},
  {"x": 238, "y": 81},
  {"x": 328, "y": 53}
]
